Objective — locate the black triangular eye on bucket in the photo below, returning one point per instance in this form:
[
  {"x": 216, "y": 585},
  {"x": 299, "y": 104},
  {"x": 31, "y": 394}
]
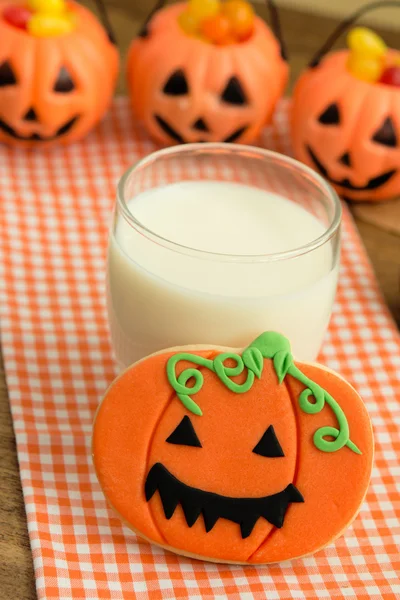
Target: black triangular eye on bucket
[
  {"x": 7, "y": 76},
  {"x": 386, "y": 134},
  {"x": 184, "y": 434},
  {"x": 330, "y": 116},
  {"x": 64, "y": 82},
  {"x": 269, "y": 445},
  {"x": 234, "y": 92},
  {"x": 176, "y": 84}
]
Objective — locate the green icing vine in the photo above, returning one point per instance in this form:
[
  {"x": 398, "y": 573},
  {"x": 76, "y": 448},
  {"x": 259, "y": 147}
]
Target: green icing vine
[{"x": 269, "y": 345}]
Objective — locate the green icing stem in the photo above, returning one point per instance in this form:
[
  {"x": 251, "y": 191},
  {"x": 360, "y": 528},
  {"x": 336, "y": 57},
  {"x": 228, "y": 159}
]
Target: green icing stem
[{"x": 269, "y": 345}]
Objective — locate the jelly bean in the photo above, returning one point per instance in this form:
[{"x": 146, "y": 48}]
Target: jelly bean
[
  {"x": 227, "y": 40},
  {"x": 216, "y": 28},
  {"x": 241, "y": 17},
  {"x": 17, "y": 15},
  {"x": 41, "y": 25},
  {"x": 202, "y": 9},
  {"x": 391, "y": 76},
  {"x": 365, "y": 42},
  {"x": 367, "y": 69},
  {"x": 188, "y": 22},
  {"x": 47, "y": 7}
]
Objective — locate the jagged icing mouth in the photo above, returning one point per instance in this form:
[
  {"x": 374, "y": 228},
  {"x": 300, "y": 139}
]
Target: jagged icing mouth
[
  {"x": 169, "y": 130},
  {"x": 372, "y": 184},
  {"x": 195, "y": 502},
  {"x": 6, "y": 128}
]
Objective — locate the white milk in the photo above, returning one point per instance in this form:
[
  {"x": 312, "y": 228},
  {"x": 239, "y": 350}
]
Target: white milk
[{"x": 160, "y": 297}]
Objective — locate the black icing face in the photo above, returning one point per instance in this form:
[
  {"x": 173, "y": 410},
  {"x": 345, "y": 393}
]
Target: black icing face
[
  {"x": 63, "y": 85},
  {"x": 177, "y": 86},
  {"x": 195, "y": 502},
  {"x": 384, "y": 136}
]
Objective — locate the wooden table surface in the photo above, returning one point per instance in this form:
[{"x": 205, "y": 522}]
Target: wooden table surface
[{"x": 304, "y": 34}]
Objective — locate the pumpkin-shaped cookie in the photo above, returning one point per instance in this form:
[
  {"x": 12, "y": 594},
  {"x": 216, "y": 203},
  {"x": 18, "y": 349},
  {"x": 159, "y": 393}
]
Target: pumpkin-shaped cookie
[
  {"x": 57, "y": 72},
  {"x": 185, "y": 89},
  {"x": 233, "y": 456}
]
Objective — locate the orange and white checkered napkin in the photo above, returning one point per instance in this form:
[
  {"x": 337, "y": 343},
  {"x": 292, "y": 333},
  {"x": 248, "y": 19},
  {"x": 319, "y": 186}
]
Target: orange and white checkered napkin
[{"x": 56, "y": 208}]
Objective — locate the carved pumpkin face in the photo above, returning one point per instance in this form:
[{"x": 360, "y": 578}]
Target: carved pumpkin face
[
  {"x": 348, "y": 130},
  {"x": 54, "y": 89},
  {"x": 222, "y": 456},
  {"x": 186, "y": 90}
]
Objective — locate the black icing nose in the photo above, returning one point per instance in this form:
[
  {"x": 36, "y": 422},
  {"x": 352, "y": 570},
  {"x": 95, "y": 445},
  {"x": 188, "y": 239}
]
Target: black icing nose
[
  {"x": 30, "y": 115},
  {"x": 200, "y": 125}
]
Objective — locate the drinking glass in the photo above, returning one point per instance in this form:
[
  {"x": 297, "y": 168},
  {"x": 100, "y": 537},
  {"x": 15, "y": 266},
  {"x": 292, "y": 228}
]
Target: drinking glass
[{"x": 163, "y": 294}]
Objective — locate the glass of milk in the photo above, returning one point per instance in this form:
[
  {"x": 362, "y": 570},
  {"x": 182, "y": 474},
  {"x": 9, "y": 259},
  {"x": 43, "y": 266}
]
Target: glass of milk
[{"x": 215, "y": 243}]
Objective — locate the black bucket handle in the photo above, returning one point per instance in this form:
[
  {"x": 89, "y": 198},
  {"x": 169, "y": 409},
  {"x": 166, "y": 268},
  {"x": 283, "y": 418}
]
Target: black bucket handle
[
  {"x": 344, "y": 26},
  {"x": 104, "y": 18},
  {"x": 273, "y": 11}
]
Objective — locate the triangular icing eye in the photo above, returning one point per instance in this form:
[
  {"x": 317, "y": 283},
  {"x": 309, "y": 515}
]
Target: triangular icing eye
[
  {"x": 184, "y": 434},
  {"x": 386, "y": 134},
  {"x": 330, "y": 116},
  {"x": 177, "y": 84},
  {"x": 234, "y": 93},
  {"x": 64, "y": 82},
  {"x": 269, "y": 446},
  {"x": 7, "y": 76}
]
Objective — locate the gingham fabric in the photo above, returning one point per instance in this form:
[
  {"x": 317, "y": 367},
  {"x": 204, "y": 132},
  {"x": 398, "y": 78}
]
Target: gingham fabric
[{"x": 55, "y": 213}]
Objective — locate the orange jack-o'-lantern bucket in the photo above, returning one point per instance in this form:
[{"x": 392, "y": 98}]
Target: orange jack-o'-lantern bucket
[
  {"x": 346, "y": 114},
  {"x": 58, "y": 69},
  {"x": 205, "y": 84}
]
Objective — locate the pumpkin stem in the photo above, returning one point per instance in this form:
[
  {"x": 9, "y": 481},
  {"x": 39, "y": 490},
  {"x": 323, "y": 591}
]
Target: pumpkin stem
[
  {"x": 344, "y": 26},
  {"x": 106, "y": 21},
  {"x": 271, "y": 342},
  {"x": 144, "y": 30}
]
